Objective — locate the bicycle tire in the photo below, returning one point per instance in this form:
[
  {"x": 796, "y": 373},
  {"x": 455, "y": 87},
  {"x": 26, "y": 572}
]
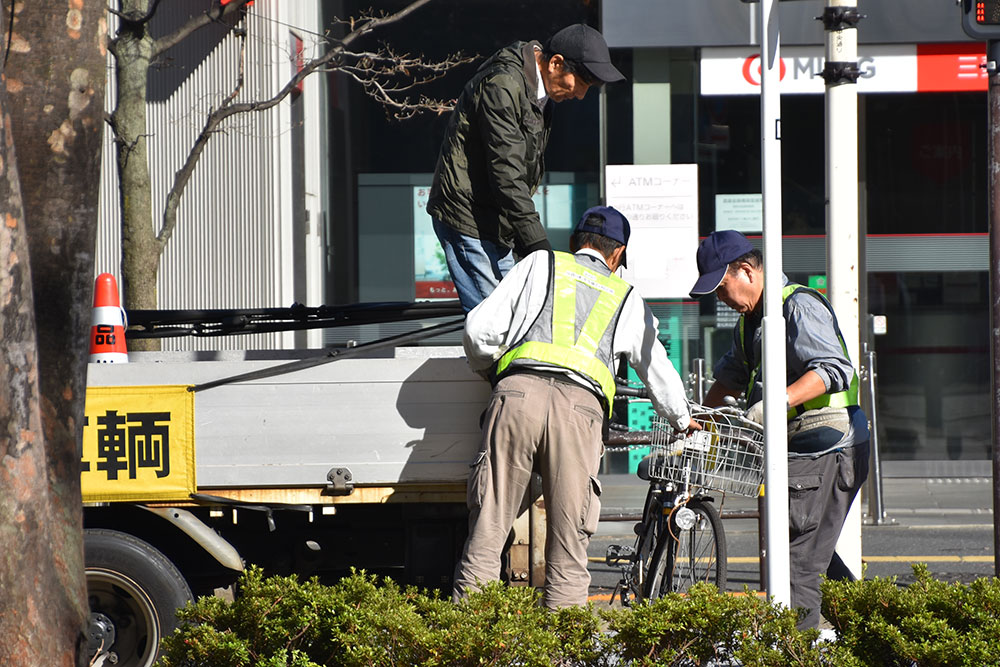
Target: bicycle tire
[
  {"x": 647, "y": 538},
  {"x": 685, "y": 557},
  {"x": 646, "y": 547}
]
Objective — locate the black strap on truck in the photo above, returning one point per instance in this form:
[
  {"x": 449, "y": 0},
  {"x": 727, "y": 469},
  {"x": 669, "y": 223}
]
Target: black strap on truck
[
  {"x": 224, "y": 322},
  {"x": 336, "y": 355}
]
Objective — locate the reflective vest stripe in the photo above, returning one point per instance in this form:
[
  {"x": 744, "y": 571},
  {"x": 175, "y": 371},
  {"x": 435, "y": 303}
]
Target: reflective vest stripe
[
  {"x": 571, "y": 358},
  {"x": 840, "y": 399},
  {"x": 565, "y": 348}
]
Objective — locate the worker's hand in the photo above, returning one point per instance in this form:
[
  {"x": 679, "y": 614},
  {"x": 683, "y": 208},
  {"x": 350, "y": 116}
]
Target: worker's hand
[
  {"x": 755, "y": 413},
  {"x": 691, "y": 427}
]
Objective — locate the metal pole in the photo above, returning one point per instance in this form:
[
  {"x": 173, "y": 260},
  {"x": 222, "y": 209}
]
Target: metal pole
[
  {"x": 602, "y": 143},
  {"x": 699, "y": 380},
  {"x": 840, "y": 20},
  {"x": 993, "y": 66},
  {"x": 876, "y": 508},
  {"x": 775, "y": 397}
]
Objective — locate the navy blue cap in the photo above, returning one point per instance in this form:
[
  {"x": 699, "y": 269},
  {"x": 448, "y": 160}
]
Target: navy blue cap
[
  {"x": 613, "y": 224},
  {"x": 714, "y": 255}
]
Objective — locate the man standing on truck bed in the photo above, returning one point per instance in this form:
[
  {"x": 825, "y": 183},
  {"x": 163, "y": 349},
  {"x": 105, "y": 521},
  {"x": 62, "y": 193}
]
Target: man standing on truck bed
[
  {"x": 827, "y": 430},
  {"x": 492, "y": 156},
  {"x": 551, "y": 335}
]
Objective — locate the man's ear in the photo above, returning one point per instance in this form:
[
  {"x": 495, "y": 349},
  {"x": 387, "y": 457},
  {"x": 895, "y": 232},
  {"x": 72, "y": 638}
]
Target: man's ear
[
  {"x": 557, "y": 62},
  {"x": 616, "y": 256}
]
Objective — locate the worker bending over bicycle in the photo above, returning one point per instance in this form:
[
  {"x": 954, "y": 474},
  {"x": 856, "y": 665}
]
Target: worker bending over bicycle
[
  {"x": 827, "y": 430},
  {"x": 550, "y": 338}
]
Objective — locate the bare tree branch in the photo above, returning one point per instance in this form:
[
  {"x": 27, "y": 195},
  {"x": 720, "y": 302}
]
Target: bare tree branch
[
  {"x": 215, "y": 14},
  {"x": 382, "y": 73},
  {"x": 369, "y": 23},
  {"x": 132, "y": 18},
  {"x": 386, "y": 76},
  {"x": 183, "y": 175}
]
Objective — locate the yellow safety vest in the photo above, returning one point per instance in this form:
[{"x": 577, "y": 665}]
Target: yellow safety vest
[
  {"x": 840, "y": 399},
  {"x": 564, "y": 337}
]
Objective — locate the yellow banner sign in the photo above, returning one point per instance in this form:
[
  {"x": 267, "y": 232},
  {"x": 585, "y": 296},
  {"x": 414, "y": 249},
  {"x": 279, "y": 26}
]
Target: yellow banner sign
[{"x": 138, "y": 444}]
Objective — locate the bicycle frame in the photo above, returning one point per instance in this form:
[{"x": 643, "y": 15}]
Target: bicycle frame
[
  {"x": 636, "y": 562},
  {"x": 680, "y": 540}
]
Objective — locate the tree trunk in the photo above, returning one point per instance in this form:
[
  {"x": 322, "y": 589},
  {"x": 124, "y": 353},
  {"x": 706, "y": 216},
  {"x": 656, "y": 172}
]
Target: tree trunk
[
  {"x": 140, "y": 248},
  {"x": 51, "y": 106}
]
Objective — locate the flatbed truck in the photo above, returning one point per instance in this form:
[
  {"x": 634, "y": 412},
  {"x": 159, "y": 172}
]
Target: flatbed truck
[{"x": 198, "y": 464}]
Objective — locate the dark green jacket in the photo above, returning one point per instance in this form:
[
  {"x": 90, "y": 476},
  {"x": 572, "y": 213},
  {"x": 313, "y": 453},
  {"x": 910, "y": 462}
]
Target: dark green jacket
[{"x": 491, "y": 158}]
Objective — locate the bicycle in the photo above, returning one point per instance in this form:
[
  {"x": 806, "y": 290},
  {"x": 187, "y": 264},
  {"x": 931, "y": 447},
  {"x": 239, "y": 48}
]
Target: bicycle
[{"x": 680, "y": 539}]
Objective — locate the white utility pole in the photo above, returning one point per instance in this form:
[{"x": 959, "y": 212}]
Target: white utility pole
[
  {"x": 840, "y": 19},
  {"x": 775, "y": 398}
]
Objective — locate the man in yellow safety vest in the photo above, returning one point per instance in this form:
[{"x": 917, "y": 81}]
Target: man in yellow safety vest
[
  {"x": 827, "y": 430},
  {"x": 550, "y": 337}
]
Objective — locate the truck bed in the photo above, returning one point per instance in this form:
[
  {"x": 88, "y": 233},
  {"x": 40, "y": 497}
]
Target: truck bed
[{"x": 411, "y": 417}]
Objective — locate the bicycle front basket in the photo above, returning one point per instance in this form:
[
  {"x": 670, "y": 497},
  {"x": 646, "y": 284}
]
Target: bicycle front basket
[{"x": 727, "y": 455}]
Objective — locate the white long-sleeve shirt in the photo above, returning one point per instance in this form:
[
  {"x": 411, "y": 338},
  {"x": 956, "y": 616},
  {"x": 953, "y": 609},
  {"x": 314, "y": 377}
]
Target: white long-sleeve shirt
[{"x": 502, "y": 319}]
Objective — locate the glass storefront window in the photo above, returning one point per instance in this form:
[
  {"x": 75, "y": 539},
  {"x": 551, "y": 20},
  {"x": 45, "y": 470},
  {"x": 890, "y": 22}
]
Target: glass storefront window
[
  {"x": 926, "y": 163},
  {"x": 933, "y": 365}
]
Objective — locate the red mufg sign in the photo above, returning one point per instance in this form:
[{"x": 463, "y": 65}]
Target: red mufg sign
[{"x": 951, "y": 67}]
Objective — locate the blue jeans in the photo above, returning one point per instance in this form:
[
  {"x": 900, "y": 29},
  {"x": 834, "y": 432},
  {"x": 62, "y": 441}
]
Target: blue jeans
[{"x": 476, "y": 265}]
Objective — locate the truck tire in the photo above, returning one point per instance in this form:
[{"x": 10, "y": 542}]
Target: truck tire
[{"x": 134, "y": 592}]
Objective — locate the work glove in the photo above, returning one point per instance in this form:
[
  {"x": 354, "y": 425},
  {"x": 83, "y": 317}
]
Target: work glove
[{"x": 755, "y": 413}]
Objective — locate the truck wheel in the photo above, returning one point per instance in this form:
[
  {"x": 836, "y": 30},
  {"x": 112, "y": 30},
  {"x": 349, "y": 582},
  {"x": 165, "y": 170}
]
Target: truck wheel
[{"x": 134, "y": 592}]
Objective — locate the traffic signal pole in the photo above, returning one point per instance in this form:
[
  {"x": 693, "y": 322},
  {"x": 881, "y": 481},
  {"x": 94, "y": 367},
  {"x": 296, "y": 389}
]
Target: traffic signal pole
[
  {"x": 993, "y": 166},
  {"x": 981, "y": 20},
  {"x": 840, "y": 20}
]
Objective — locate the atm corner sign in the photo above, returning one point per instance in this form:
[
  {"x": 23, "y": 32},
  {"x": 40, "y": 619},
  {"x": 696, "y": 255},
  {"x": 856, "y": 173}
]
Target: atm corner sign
[{"x": 138, "y": 444}]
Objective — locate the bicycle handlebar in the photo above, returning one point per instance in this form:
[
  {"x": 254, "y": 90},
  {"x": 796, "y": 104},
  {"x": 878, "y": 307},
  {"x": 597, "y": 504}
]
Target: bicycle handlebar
[{"x": 635, "y": 392}]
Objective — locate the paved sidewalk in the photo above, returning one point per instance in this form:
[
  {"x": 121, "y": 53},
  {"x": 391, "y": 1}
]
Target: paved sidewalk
[{"x": 906, "y": 501}]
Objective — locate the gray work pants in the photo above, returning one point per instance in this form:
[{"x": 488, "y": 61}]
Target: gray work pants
[
  {"x": 553, "y": 427},
  {"x": 820, "y": 493}
]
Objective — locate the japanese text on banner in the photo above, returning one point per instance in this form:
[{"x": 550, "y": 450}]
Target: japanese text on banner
[{"x": 138, "y": 444}]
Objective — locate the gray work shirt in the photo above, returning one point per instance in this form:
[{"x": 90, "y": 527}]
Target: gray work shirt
[{"x": 811, "y": 344}]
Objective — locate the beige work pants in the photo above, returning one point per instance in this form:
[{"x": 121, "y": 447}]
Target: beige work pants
[{"x": 554, "y": 427}]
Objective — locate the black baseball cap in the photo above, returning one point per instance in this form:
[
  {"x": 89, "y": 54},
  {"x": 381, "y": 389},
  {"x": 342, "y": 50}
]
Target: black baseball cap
[
  {"x": 612, "y": 224},
  {"x": 582, "y": 44},
  {"x": 714, "y": 256}
]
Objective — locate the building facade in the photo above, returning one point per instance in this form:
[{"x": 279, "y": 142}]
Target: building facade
[
  {"x": 250, "y": 225},
  {"x": 923, "y": 185},
  {"x": 324, "y": 197}
]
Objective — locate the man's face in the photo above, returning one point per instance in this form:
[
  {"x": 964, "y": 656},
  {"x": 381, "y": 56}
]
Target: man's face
[
  {"x": 741, "y": 289},
  {"x": 560, "y": 83}
]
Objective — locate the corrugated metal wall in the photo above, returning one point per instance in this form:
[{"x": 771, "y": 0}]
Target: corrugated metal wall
[{"x": 232, "y": 247}]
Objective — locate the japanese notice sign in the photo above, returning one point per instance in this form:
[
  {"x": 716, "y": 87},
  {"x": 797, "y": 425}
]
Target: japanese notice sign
[
  {"x": 138, "y": 444},
  {"x": 744, "y": 213},
  {"x": 661, "y": 204}
]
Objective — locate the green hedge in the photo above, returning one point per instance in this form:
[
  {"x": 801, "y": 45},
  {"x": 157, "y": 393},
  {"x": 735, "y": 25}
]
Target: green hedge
[
  {"x": 929, "y": 622},
  {"x": 281, "y": 621}
]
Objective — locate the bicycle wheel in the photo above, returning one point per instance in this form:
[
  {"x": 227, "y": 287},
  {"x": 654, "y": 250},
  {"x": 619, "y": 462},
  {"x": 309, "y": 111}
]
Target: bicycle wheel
[
  {"x": 694, "y": 550},
  {"x": 647, "y": 538}
]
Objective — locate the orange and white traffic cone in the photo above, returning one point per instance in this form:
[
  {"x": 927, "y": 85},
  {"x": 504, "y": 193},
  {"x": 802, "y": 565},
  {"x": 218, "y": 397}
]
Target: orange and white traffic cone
[{"x": 107, "y": 331}]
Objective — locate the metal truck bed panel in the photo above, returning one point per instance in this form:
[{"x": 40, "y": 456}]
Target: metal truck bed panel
[{"x": 406, "y": 419}]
